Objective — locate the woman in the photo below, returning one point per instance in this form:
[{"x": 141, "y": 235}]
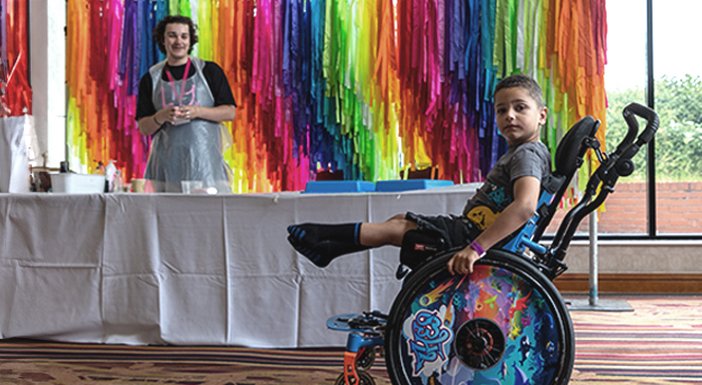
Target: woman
[{"x": 181, "y": 103}]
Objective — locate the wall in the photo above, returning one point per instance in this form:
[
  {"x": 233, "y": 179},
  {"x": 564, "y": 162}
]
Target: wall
[
  {"x": 641, "y": 266},
  {"x": 48, "y": 76},
  {"x": 679, "y": 209},
  {"x": 638, "y": 257}
]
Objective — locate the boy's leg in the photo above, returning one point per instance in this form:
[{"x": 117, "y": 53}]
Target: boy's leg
[
  {"x": 385, "y": 233},
  {"x": 435, "y": 233},
  {"x": 321, "y": 243}
]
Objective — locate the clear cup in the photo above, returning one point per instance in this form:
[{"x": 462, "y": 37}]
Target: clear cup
[
  {"x": 138, "y": 185},
  {"x": 190, "y": 186}
]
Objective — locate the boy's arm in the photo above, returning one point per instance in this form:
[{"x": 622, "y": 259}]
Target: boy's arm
[{"x": 514, "y": 216}]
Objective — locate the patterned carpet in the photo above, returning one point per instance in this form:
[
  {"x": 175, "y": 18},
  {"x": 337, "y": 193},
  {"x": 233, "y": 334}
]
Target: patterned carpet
[{"x": 659, "y": 343}]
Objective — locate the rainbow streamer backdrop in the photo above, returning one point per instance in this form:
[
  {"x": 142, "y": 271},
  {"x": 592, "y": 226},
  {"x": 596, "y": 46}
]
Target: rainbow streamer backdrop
[
  {"x": 14, "y": 54},
  {"x": 366, "y": 86}
]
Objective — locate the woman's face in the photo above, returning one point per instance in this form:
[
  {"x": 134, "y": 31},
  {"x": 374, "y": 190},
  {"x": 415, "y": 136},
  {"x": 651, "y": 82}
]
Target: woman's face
[{"x": 176, "y": 40}]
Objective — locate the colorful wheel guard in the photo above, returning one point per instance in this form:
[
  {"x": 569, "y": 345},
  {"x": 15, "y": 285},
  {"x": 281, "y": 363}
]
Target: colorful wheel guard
[{"x": 494, "y": 301}]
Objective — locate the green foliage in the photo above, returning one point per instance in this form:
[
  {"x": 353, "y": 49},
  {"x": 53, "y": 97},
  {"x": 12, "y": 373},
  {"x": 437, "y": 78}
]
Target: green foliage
[{"x": 679, "y": 137}]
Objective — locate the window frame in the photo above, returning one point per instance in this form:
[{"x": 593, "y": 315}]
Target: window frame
[{"x": 651, "y": 204}]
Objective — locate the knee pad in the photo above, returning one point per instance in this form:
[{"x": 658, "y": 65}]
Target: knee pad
[{"x": 419, "y": 246}]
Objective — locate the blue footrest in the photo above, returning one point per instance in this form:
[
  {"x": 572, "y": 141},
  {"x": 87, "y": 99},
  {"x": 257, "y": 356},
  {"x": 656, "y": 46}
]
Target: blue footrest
[{"x": 366, "y": 322}]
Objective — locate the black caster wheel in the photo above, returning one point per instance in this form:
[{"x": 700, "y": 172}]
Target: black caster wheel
[
  {"x": 503, "y": 324},
  {"x": 363, "y": 379},
  {"x": 365, "y": 358}
]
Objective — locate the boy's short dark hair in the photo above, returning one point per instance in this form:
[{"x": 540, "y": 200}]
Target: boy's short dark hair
[
  {"x": 525, "y": 82},
  {"x": 160, "y": 30}
]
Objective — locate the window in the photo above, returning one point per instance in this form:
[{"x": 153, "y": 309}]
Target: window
[
  {"x": 678, "y": 101},
  {"x": 676, "y": 83},
  {"x": 625, "y": 81}
]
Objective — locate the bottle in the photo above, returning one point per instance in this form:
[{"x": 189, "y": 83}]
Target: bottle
[
  {"x": 118, "y": 185},
  {"x": 110, "y": 173}
]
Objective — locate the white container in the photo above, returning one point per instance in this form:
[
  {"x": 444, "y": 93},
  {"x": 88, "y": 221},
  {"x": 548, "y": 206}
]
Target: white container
[{"x": 77, "y": 183}]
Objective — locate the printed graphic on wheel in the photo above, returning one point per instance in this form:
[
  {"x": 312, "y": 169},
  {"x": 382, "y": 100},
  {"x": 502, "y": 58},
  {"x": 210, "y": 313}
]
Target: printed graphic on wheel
[{"x": 490, "y": 327}]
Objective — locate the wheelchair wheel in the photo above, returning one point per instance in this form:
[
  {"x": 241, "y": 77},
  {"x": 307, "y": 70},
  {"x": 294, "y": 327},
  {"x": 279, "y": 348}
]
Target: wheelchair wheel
[
  {"x": 363, "y": 379},
  {"x": 365, "y": 359},
  {"x": 503, "y": 324}
]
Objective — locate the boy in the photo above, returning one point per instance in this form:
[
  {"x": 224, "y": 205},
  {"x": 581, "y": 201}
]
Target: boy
[{"x": 503, "y": 204}]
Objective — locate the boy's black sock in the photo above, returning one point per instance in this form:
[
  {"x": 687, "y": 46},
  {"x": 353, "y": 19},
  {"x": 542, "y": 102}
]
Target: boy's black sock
[
  {"x": 311, "y": 233},
  {"x": 321, "y": 243},
  {"x": 322, "y": 253}
]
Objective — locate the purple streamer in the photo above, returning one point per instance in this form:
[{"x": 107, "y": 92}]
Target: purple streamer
[{"x": 3, "y": 36}]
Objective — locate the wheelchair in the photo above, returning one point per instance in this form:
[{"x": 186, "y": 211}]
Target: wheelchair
[{"x": 506, "y": 322}]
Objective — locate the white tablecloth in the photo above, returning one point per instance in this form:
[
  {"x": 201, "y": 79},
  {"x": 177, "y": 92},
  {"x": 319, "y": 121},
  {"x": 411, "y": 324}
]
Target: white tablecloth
[{"x": 191, "y": 269}]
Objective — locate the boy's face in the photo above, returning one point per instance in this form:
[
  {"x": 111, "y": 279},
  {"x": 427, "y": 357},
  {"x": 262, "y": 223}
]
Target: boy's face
[
  {"x": 176, "y": 40},
  {"x": 518, "y": 115}
]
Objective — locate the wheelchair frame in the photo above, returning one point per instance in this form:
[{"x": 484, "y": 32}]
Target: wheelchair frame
[{"x": 505, "y": 323}]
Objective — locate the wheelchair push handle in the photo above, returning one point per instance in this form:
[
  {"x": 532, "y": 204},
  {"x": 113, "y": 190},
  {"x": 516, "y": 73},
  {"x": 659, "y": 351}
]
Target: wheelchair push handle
[
  {"x": 619, "y": 163},
  {"x": 621, "y": 158},
  {"x": 630, "y": 113}
]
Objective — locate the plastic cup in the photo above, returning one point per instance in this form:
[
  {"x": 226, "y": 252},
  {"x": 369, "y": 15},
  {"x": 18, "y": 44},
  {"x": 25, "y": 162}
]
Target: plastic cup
[
  {"x": 190, "y": 186},
  {"x": 138, "y": 185}
]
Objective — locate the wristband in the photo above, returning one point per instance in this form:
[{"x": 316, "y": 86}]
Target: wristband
[
  {"x": 477, "y": 247},
  {"x": 156, "y": 121}
]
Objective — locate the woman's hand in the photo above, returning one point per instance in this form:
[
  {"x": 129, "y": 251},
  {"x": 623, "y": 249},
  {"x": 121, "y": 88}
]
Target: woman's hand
[
  {"x": 189, "y": 112},
  {"x": 178, "y": 114},
  {"x": 462, "y": 262},
  {"x": 167, "y": 115}
]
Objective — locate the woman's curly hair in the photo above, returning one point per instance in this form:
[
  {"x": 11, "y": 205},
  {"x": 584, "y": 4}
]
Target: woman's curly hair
[{"x": 160, "y": 31}]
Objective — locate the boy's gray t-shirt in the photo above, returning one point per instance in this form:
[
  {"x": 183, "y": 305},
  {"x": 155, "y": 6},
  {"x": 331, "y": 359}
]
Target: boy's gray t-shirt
[{"x": 528, "y": 159}]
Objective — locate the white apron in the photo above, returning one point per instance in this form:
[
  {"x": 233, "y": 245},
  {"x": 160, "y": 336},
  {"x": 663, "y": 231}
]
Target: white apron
[{"x": 190, "y": 151}]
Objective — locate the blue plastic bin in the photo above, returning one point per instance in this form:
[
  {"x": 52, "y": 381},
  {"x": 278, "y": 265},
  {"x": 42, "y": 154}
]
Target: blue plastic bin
[
  {"x": 410, "y": 184},
  {"x": 338, "y": 186}
]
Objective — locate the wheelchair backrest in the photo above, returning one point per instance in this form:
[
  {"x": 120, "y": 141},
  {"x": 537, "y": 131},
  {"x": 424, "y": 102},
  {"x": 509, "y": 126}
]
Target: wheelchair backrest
[{"x": 569, "y": 157}]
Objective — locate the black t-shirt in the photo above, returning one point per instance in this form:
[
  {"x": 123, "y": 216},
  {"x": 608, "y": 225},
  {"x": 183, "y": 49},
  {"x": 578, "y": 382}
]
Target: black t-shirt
[{"x": 214, "y": 75}]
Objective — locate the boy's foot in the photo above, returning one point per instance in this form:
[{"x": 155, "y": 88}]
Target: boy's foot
[
  {"x": 303, "y": 233},
  {"x": 321, "y": 252},
  {"x": 303, "y": 239},
  {"x": 312, "y": 252}
]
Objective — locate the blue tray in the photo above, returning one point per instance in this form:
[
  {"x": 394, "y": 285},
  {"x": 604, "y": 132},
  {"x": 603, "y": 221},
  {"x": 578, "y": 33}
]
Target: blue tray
[
  {"x": 410, "y": 184},
  {"x": 339, "y": 186}
]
